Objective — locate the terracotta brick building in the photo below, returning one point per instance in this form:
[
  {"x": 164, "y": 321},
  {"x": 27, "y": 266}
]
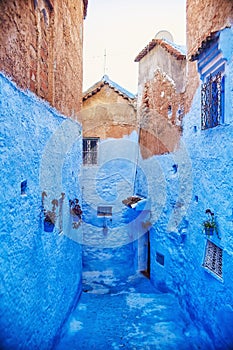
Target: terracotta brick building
[{"x": 41, "y": 49}]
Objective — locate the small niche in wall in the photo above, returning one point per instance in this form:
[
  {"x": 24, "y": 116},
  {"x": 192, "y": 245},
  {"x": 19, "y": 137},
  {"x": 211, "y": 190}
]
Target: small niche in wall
[
  {"x": 24, "y": 188},
  {"x": 104, "y": 211},
  {"x": 160, "y": 258},
  {"x": 45, "y": 15},
  {"x": 35, "y": 4},
  {"x": 169, "y": 112},
  {"x": 174, "y": 168}
]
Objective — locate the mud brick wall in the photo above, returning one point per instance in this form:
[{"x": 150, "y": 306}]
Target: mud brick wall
[
  {"x": 161, "y": 103},
  {"x": 162, "y": 111},
  {"x": 204, "y": 17},
  {"x": 41, "y": 49}
]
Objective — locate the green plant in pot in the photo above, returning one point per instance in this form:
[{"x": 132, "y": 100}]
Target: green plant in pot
[{"x": 210, "y": 225}]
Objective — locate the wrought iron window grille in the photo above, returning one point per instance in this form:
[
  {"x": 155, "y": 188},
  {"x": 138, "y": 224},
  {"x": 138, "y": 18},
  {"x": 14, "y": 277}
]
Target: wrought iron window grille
[
  {"x": 212, "y": 101},
  {"x": 90, "y": 151},
  {"x": 213, "y": 259}
]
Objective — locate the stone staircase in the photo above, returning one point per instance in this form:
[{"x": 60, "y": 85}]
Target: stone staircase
[{"x": 131, "y": 315}]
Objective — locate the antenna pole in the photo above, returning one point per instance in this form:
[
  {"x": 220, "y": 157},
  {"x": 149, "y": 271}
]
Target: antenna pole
[{"x": 105, "y": 60}]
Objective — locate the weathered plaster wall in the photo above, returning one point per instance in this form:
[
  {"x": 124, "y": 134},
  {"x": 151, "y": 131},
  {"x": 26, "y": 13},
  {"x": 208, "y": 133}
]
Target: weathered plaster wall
[
  {"x": 160, "y": 58},
  {"x": 111, "y": 251},
  {"x": 107, "y": 114},
  {"x": 108, "y": 242},
  {"x": 40, "y": 271},
  {"x": 205, "y": 17},
  {"x": 161, "y": 114},
  {"x": 184, "y": 184},
  {"x": 41, "y": 49},
  {"x": 108, "y": 266},
  {"x": 161, "y": 102},
  {"x": 108, "y": 248}
]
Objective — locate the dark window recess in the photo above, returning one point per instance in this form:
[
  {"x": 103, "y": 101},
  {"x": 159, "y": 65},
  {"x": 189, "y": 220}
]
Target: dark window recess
[
  {"x": 213, "y": 258},
  {"x": 23, "y": 187},
  {"x": 174, "y": 168},
  {"x": 35, "y": 4},
  {"x": 169, "y": 111},
  {"x": 212, "y": 96},
  {"x": 90, "y": 148},
  {"x": 45, "y": 15},
  {"x": 48, "y": 3},
  {"x": 104, "y": 211},
  {"x": 160, "y": 258}
]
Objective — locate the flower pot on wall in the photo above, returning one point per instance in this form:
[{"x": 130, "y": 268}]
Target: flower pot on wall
[
  {"x": 48, "y": 226},
  {"x": 75, "y": 218},
  {"x": 209, "y": 231}
]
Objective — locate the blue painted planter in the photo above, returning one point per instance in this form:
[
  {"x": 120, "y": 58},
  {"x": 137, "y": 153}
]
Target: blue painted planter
[
  {"x": 48, "y": 226},
  {"x": 209, "y": 231},
  {"x": 75, "y": 218}
]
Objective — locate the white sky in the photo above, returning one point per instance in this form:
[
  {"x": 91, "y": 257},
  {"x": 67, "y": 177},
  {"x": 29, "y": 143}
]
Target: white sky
[{"x": 123, "y": 28}]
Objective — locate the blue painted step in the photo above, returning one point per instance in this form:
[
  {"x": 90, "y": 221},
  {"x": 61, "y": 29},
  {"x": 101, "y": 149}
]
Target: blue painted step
[{"x": 132, "y": 320}]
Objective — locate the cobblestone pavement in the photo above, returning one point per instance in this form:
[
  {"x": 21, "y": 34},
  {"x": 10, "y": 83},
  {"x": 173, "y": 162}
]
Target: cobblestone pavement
[{"x": 132, "y": 315}]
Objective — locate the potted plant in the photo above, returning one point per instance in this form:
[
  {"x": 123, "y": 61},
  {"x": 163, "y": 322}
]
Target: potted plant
[
  {"x": 50, "y": 217},
  {"x": 210, "y": 225},
  {"x": 75, "y": 210}
]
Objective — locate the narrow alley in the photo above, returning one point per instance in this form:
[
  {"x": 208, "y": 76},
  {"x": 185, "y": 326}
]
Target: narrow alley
[
  {"x": 131, "y": 315},
  {"x": 116, "y": 205}
]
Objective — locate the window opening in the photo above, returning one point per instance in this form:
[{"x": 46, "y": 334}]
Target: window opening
[
  {"x": 160, "y": 258},
  {"x": 175, "y": 168},
  {"x": 90, "y": 148},
  {"x": 24, "y": 187},
  {"x": 213, "y": 258},
  {"x": 169, "y": 112},
  {"x": 212, "y": 101},
  {"x": 104, "y": 211}
]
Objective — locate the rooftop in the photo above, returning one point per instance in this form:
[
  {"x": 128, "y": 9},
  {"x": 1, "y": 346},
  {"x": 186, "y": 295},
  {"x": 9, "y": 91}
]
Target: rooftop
[
  {"x": 178, "y": 51},
  {"x": 196, "y": 51},
  {"x": 106, "y": 81}
]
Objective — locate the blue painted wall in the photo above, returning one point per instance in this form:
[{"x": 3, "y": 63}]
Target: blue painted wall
[
  {"x": 178, "y": 202},
  {"x": 108, "y": 247},
  {"x": 40, "y": 271}
]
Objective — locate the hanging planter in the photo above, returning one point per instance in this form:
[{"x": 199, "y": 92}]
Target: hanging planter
[
  {"x": 76, "y": 213},
  {"x": 48, "y": 226},
  {"x": 210, "y": 226},
  {"x": 50, "y": 217},
  {"x": 209, "y": 231}
]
